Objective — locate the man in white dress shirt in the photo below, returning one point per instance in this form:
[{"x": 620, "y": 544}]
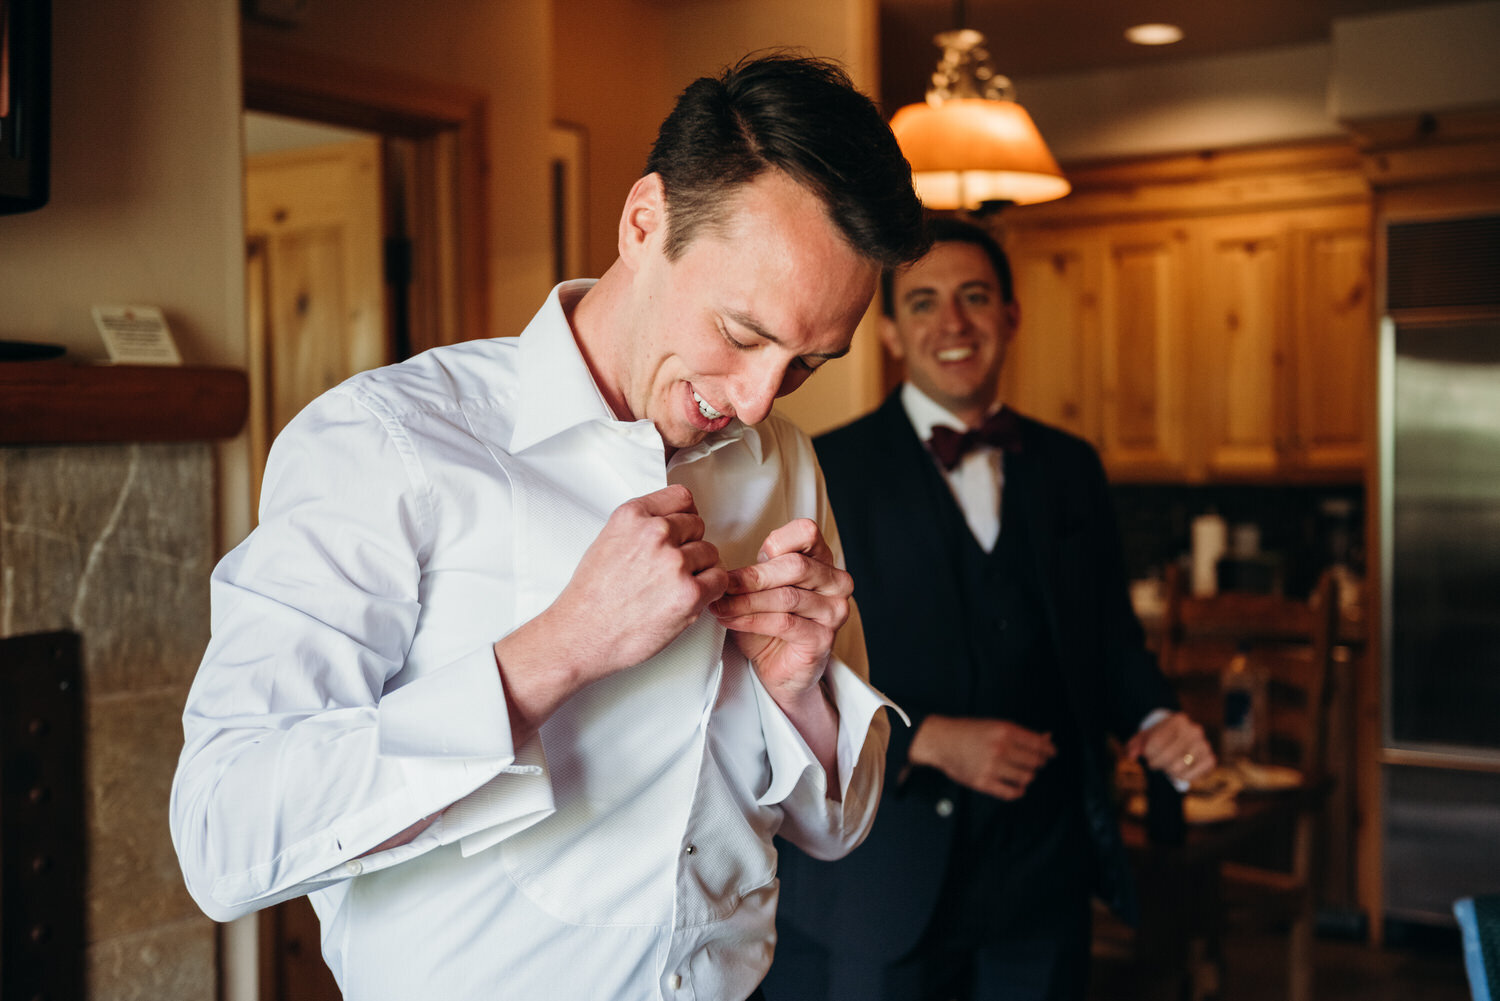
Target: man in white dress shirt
[{"x": 531, "y": 654}]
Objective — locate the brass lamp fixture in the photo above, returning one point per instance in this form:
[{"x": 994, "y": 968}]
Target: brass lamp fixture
[{"x": 971, "y": 146}]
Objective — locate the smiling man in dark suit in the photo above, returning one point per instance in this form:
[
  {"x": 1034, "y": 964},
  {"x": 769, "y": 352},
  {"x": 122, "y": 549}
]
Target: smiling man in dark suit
[{"x": 988, "y": 576}]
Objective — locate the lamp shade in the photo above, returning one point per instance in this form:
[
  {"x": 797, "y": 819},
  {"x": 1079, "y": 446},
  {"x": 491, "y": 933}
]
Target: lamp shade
[{"x": 968, "y": 151}]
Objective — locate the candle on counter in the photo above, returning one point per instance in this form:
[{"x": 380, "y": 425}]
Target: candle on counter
[{"x": 1210, "y": 539}]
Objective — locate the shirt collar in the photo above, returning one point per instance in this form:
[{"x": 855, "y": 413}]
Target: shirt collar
[
  {"x": 925, "y": 413},
  {"x": 557, "y": 391}
]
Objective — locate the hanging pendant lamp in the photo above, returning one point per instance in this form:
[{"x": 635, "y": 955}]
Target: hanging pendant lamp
[{"x": 970, "y": 145}]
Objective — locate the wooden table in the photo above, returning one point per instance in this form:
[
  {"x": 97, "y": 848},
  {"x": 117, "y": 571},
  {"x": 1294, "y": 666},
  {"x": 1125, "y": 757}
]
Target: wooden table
[{"x": 1175, "y": 948}]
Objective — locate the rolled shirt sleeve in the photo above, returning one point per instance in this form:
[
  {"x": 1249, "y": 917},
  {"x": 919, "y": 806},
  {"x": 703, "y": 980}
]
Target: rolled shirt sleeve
[{"x": 823, "y": 827}]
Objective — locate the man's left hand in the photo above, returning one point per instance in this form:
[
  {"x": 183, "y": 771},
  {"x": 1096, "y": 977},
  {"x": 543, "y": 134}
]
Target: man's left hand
[
  {"x": 785, "y": 610},
  {"x": 1175, "y": 745}
]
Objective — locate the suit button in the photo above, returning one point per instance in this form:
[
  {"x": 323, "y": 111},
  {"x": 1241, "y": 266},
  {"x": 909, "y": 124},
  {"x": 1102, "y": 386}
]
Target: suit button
[{"x": 944, "y": 807}]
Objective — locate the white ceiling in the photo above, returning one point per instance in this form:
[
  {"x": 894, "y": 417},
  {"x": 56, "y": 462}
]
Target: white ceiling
[{"x": 1029, "y": 38}]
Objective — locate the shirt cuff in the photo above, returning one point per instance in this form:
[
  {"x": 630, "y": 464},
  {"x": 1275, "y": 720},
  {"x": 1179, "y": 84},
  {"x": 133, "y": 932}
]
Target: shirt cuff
[
  {"x": 790, "y": 757},
  {"x": 1154, "y": 717}
]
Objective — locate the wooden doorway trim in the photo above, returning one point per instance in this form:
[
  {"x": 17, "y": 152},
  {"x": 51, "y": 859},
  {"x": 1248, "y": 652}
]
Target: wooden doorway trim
[{"x": 447, "y": 125}]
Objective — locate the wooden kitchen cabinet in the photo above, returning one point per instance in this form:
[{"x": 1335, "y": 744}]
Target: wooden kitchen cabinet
[
  {"x": 1241, "y": 321},
  {"x": 1211, "y": 339},
  {"x": 1283, "y": 336},
  {"x": 1333, "y": 324},
  {"x": 1102, "y": 343},
  {"x": 1143, "y": 351},
  {"x": 1052, "y": 367}
]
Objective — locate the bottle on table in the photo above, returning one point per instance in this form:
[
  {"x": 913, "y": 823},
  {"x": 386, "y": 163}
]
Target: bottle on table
[{"x": 1244, "y": 693}]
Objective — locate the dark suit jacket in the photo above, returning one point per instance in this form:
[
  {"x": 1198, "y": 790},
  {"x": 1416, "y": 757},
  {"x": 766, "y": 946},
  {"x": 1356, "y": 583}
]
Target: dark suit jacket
[{"x": 885, "y": 490}]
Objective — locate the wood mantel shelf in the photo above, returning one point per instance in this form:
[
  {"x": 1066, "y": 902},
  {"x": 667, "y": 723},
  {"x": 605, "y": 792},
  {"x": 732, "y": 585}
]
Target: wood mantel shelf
[{"x": 55, "y": 402}]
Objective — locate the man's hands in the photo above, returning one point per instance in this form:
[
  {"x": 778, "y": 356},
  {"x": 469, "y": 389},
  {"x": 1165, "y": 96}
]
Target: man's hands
[
  {"x": 993, "y": 756},
  {"x": 645, "y": 579},
  {"x": 1000, "y": 758},
  {"x": 1175, "y": 745},
  {"x": 785, "y": 610}
]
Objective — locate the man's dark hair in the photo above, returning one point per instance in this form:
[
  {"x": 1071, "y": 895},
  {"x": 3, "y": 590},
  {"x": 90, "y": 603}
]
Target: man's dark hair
[
  {"x": 800, "y": 115},
  {"x": 942, "y": 229}
]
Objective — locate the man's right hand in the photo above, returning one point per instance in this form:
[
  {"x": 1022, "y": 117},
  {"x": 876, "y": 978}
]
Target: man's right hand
[
  {"x": 993, "y": 756},
  {"x": 646, "y": 578}
]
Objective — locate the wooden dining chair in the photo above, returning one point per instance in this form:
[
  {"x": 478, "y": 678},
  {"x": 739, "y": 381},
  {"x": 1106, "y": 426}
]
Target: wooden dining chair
[{"x": 1292, "y": 644}]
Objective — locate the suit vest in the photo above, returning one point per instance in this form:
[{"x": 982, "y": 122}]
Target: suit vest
[{"x": 1028, "y": 844}]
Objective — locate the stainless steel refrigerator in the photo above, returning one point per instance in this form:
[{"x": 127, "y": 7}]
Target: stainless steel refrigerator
[{"x": 1440, "y": 548}]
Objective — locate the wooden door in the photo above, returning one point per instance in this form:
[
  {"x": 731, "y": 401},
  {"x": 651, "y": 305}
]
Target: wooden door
[{"x": 316, "y": 300}]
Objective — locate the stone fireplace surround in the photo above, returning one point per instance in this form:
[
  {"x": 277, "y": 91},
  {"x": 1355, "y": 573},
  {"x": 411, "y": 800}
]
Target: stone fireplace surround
[{"x": 115, "y": 540}]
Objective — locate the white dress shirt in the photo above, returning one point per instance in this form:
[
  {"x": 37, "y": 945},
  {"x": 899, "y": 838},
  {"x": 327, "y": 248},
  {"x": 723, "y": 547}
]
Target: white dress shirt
[{"x": 409, "y": 519}]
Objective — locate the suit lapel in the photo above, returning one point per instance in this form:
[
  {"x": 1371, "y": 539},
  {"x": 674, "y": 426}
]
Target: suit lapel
[
  {"x": 912, "y": 482},
  {"x": 924, "y": 521},
  {"x": 1038, "y": 513}
]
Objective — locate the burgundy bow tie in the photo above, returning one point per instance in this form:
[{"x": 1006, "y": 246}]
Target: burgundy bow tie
[{"x": 1000, "y": 430}]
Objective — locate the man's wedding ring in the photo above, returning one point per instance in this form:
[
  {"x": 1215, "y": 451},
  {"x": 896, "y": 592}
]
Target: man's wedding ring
[{"x": 1187, "y": 760}]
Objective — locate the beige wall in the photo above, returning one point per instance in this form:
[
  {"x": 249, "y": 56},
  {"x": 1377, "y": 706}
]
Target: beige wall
[
  {"x": 610, "y": 77},
  {"x": 704, "y": 35},
  {"x": 145, "y": 204},
  {"x": 1426, "y": 59},
  {"x": 1266, "y": 96}
]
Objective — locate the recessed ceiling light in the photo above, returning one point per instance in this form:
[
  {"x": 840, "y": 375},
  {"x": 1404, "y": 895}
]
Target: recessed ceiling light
[{"x": 1154, "y": 34}]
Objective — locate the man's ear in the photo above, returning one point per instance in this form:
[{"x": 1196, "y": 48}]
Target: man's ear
[
  {"x": 643, "y": 220},
  {"x": 1012, "y": 319},
  {"x": 891, "y": 337}
]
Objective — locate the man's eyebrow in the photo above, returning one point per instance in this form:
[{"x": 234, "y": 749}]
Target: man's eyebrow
[
  {"x": 753, "y": 325},
  {"x": 922, "y": 290}
]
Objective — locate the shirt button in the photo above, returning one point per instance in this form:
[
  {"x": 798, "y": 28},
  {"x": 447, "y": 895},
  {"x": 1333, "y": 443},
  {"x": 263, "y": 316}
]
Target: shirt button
[
  {"x": 690, "y": 850},
  {"x": 354, "y": 867},
  {"x": 674, "y": 981},
  {"x": 944, "y": 807}
]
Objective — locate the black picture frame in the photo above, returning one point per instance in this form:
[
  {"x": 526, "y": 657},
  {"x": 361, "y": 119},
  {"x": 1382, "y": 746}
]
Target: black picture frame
[{"x": 25, "y": 104}]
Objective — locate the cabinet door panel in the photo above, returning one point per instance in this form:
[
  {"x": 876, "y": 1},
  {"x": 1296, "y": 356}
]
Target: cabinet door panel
[
  {"x": 1050, "y": 371},
  {"x": 1144, "y": 371},
  {"x": 1335, "y": 331},
  {"x": 1241, "y": 363}
]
